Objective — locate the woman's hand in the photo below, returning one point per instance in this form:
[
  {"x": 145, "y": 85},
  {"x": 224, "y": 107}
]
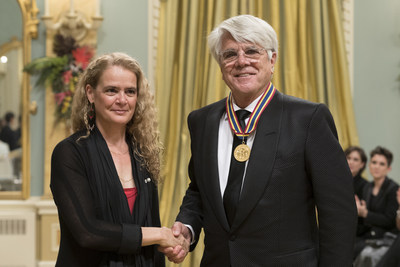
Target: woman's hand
[
  {"x": 178, "y": 253},
  {"x": 361, "y": 207},
  {"x": 169, "y": 240},
  {"x": 165, "y": 238}
]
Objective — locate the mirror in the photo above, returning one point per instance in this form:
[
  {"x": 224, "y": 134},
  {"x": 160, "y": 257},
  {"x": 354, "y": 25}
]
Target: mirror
[{"x": 18, "y": 25}]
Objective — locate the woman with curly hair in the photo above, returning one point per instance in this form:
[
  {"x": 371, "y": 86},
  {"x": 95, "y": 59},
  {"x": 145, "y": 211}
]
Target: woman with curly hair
[{"x": 104, "y": 176}]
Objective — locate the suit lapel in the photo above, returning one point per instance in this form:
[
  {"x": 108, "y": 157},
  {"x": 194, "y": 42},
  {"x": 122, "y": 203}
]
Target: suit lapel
[
  {"x": 261, "y": 160},
  {"x": 210, "y": 157}
]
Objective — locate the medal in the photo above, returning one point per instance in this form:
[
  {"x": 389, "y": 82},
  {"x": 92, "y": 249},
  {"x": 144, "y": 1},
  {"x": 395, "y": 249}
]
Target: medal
[{"x": 242, "y": 152}]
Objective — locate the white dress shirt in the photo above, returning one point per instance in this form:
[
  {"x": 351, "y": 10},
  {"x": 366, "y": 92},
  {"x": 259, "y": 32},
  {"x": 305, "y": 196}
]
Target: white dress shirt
[{"x": 225, "y": 140}]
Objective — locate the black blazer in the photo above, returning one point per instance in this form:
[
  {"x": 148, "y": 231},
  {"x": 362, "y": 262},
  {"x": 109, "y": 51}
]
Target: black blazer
[
  {"x": 86, "y": 238},
  {"x": 381, "y": 216},
  {"x": 296, "y": 164}
]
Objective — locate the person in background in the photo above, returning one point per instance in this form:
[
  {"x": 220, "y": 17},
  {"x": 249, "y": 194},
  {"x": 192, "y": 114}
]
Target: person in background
[
  {"x": 261, "y": 163},
  {"x": 7, "y": 134},
  {"x": 18, "y": 132},
  {"x": 377, "y": 210},
  {"x": 2, "y": 124},
  {"x": 104, "y": 177},
  {"x": 357, "y": 161},
  {"x": 392, "y": 256}
]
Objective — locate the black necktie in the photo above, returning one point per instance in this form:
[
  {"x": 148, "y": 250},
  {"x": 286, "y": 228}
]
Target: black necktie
[{"x": 236, "y": 171}]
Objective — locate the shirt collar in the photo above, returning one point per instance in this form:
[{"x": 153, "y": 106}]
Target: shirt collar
[{"x": 249, "y": 108}]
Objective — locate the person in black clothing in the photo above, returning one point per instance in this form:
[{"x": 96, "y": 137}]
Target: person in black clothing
[
  {"x": 392, "y": 256},
  {"x": 104, "y": 177},
  {"x": 377, "y": 210},
  {"x": 357, "y": 161},
  {"x": 254, "y": 189},
  {"x": 7, "y": 134}
]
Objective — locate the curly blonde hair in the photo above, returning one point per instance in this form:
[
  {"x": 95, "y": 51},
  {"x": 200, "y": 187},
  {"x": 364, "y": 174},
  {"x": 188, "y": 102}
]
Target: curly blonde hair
[{"x": 144, "y": 125}]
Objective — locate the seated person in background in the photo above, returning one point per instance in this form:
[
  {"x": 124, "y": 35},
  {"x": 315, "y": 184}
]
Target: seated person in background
[
  {"x": 392, "y": 257},
  {"x": 5, "y": 162},
  {"x": 357, "y": 160},
  {"x": 377, "y": 210},
  {"x": 8, "y": 135}
]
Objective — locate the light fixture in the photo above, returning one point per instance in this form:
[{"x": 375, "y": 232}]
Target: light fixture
[{"x": 3, "y": 59}]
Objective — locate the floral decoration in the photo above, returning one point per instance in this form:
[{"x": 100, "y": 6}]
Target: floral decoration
[{"x": 62, "y": 71}]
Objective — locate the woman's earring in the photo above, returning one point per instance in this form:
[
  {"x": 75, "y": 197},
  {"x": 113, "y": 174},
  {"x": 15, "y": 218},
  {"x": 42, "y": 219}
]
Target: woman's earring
[{"x": 91, "y": 115}]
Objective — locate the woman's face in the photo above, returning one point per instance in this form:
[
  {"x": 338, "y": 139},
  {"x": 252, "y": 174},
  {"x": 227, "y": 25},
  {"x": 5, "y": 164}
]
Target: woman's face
[
  {"x": 114, "y": 97},
  {"x": 355, "y": 163},
  {"x": 378, "y": 167}
]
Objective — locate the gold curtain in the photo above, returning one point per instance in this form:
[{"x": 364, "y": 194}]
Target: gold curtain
[{"x": 312, "y": 64}]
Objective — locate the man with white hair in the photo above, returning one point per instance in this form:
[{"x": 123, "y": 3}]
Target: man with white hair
[{"x": 262, "y": 163}]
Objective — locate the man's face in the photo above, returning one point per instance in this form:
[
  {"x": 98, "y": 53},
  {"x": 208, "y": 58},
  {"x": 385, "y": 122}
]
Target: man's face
[{"x": 245, "y": 67}]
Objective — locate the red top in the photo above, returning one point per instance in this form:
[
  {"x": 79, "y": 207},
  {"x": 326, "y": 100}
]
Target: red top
[{"x": 131, "y": 194}]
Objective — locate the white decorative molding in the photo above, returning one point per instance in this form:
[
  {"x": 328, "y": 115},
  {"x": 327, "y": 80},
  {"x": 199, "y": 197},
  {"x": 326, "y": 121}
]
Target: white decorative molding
[
  {"x": 154, "y": 17},
  {"x": 348, "y": 28},
  {"x": 72, "y": 22},
  {"x": 46, "y": 264},
  {"x": 55, "y": 235},
  {"x": 46, "y": 207}
]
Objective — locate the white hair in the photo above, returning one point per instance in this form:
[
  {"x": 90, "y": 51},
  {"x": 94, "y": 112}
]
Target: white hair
[{"x": 244, "y": 28}]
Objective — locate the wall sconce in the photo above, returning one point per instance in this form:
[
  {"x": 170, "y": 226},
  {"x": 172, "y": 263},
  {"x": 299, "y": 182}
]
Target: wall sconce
[{"x": 73, "y": 23}]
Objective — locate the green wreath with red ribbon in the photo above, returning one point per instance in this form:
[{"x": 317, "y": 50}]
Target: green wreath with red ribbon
[{"x": 62, "y": 71}]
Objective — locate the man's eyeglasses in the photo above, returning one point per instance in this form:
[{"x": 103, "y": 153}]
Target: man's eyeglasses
[{"x": 231, "y": 55}]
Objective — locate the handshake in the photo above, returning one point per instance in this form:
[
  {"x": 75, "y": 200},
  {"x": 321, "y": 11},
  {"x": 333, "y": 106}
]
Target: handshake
[{"x": 175, "y": 242}]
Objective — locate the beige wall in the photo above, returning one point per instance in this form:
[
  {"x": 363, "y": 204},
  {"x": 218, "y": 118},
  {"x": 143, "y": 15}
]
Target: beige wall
[{"x": 377, "y": 76}]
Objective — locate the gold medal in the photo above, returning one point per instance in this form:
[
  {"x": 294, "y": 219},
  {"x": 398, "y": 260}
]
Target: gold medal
[{"x": 242, "y": 152}]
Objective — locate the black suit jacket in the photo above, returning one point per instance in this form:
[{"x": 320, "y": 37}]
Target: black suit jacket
[
  {"x": 296, "y": 164},
  {"x": 381, "y": 215}
]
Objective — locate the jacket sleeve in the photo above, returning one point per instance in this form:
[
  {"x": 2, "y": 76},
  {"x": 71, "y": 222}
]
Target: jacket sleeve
[
  {"x": 191, "y": 209},
  {"x": 333, "y": 190}
]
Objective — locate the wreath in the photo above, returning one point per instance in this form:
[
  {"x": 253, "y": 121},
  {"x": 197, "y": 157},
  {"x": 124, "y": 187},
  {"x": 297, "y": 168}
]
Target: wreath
[{"x": 62, "y": 71}]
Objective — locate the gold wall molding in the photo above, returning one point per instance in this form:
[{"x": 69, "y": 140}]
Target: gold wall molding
[
  {"x": 14, "y": 43},
  {"x": 31, "y": 16}
]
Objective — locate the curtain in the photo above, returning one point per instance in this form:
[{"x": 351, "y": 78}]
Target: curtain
[{"x": 312, "y": 64}]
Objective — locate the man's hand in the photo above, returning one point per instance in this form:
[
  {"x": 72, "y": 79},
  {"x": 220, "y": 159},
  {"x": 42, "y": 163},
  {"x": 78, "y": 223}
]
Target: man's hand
[{"x": 178, "y": 253}]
